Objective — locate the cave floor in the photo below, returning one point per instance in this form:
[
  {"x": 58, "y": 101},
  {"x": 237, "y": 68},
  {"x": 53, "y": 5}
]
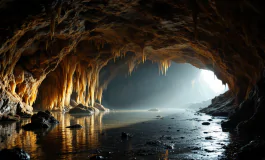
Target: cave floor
[{"x": 168, "y": 134}]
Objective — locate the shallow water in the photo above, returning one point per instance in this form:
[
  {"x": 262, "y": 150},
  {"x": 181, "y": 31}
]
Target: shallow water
[{"x": 101, "y": 135}]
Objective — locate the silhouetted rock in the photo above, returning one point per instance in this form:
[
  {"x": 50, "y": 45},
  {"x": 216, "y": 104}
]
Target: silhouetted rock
[
  {"x": 207, "y": 150},
  {"x": 209, "y": 138},
  {"x": 126, "y": 135},
  {"x": 41, "y": 120},
  {"x": 75, "y": 126},
  {"x": 206, "y": 123},
  {"x": 14, "y": 154}
]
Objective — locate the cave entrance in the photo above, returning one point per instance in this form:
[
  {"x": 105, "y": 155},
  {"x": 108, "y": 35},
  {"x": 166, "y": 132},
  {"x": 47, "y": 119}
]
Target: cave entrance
[{"x": 146, "y": 88}]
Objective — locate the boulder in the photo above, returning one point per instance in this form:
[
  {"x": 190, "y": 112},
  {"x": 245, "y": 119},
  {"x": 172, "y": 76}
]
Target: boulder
[
  {"x": 206, "y": 123},
  {"x": 77, "y": 110},
  {"x": 73, "y": 103},
  {"x": 14, "y": 154},
  {"x": 41, "y": 120},
  {"x": 100, "y": 107},
  {"x": 81, "y": 109}
]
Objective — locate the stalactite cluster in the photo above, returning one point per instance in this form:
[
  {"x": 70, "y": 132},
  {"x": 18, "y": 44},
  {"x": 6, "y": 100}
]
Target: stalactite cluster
[
  {"x": 54, "y": 48},
  {"x": 71, "y": 76}
]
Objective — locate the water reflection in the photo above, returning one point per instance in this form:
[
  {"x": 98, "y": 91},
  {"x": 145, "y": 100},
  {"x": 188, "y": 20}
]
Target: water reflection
[
  {"x": 60, "y": 140},
  {"x": 103, "y": 130}
]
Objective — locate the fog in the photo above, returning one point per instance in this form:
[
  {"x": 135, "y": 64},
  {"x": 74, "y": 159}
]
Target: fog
[{"x": 145, "y": 88}]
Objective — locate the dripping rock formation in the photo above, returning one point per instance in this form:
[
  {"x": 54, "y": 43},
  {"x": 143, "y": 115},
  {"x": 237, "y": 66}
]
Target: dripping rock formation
[{"x": 52, "y": 51}]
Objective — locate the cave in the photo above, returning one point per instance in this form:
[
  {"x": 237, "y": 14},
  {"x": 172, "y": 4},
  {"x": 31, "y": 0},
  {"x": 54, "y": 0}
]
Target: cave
[{"x": 57, "y": 55}]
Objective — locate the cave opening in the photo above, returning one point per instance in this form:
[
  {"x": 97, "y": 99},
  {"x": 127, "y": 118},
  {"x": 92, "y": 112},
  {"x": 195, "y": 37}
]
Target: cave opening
[
  {"x": 145, "y": 87},
  {"x": 65, "y": 56}
]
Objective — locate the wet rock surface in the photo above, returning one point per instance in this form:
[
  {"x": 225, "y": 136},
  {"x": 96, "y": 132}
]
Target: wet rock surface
[
  {"x": 44, "y": 39},
  {"x": 222, "y": 105},
  {"x": 202, "y": 33},
  {"x": 14, "y": 154},
  {"x": 152, "y": 140},
  {"x": 41, "y": 120},
  {"x": 100, "y": 107},
  {"x": 81, "y": 109},
  {"x": 245, "y": 122}
]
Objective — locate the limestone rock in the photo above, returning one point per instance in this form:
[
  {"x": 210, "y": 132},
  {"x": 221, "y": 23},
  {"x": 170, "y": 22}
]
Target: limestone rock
[
  {"x": 81, "y": 109},
  {"x": 41, "y": 120},
  {"x": 100, "y": 107},
  {"x": 73, "y": 103}
]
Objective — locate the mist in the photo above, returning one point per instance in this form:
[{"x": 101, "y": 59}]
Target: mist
[{"x": 145, "y": 88}]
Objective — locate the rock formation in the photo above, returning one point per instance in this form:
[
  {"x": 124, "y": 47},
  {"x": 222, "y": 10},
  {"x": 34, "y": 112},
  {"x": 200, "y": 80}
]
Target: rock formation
[
  {"x": 51, "y": 49},
  {"x": 41, "y": 120}
]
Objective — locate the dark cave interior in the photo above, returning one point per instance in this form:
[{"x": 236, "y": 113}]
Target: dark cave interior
[{"x": 54, "y": 53}]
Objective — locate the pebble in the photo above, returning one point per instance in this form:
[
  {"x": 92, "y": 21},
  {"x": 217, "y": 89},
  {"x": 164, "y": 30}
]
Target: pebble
[{"x": 206, "y": 123}]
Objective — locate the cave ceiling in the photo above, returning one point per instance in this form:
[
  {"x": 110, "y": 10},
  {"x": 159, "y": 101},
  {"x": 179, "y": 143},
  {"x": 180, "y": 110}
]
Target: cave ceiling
[{"x": 50, "y": 49}]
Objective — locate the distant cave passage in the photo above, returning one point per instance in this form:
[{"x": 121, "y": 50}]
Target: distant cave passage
[{"x": 146, "y": 88}]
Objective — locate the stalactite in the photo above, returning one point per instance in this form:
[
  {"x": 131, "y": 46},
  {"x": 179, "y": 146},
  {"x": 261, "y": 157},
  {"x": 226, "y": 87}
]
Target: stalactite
[
  {"x": 163, "y": 66},
  {"x": 99, "y": 43},
  {"x": 131, "y": 65},
  {"x": 72, "y": 75},
  {"x": 33, "y": 52},
  {"x": 88, "y": 96}
]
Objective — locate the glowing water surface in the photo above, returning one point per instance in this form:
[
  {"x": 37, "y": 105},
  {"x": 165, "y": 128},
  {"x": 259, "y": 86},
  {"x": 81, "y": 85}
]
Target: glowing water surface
[{"x": 102, "y": 131}]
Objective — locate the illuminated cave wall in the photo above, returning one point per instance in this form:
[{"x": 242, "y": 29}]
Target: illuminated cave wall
[
  {"x": 63, "y": 43},
  {"x": 72, "y": 75}
]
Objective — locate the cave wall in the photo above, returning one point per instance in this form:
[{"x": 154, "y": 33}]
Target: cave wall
[
  {"x": 50, "y": 48},
  {"x": 72, "y": 75}
]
